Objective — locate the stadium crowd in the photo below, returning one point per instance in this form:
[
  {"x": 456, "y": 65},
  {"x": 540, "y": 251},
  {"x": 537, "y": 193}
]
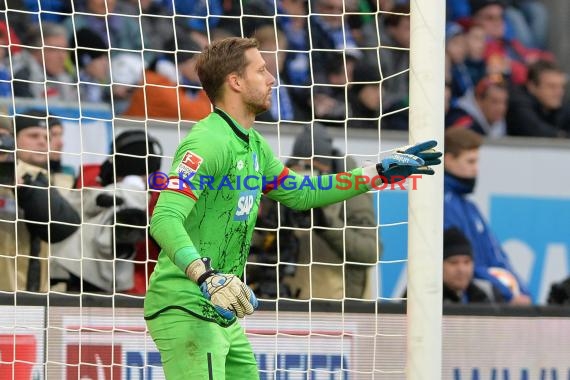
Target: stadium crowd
[{"x": 336, "y": 63}]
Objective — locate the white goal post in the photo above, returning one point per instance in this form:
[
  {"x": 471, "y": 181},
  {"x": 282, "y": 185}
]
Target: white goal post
[{"x": 425, "y": 210}]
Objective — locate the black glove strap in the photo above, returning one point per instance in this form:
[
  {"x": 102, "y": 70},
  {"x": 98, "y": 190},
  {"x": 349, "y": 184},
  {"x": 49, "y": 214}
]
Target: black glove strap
[
  {"x": 379, "y": 169},
  {"x": 209, "y": 271},
  {"x": 204, "y": 276}
]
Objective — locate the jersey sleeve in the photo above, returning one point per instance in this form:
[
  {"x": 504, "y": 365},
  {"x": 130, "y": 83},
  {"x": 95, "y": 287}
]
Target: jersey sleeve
[
  {"x": 300, "y": 192},
  {"x": 192, "y": 163}
]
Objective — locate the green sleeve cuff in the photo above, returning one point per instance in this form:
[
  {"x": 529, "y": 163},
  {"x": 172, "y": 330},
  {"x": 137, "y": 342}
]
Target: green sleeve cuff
[{"x": 184, "y": 256}]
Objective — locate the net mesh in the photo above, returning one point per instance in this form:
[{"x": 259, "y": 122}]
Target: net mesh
[{"x": 103, "y": 80}]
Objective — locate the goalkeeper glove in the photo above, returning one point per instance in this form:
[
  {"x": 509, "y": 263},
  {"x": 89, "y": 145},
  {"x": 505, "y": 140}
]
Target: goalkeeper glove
[
  {"x": 408, "y": 160},
  {"x": 229, "y": 295},
  {"x": 425, "y": 151}
]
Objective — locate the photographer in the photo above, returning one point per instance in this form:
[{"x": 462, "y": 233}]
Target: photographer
[
  {"x": 99, "y": 258},
  {"x": 343, "y": 244},
  {"x": 42, "y": 215}
]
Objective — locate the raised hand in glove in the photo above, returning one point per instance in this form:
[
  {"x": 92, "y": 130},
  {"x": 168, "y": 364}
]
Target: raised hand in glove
[
  {"x": 408, "y": 160},
  {"x": 228, "y": 294},
  {"x": 424, "y": 150}
]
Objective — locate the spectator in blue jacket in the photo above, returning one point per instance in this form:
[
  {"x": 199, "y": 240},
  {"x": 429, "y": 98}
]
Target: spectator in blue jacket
[{"x": 461, "y": 169}]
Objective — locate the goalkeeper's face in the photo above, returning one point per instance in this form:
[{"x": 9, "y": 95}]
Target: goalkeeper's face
[{"x": 257, "y": 82}]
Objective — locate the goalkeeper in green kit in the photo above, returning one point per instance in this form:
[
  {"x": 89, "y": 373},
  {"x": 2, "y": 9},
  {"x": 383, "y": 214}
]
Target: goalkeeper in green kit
[{"x": 204, "y": 219}]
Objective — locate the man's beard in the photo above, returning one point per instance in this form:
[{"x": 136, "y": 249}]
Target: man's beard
[{"x": 258, "y": 107}]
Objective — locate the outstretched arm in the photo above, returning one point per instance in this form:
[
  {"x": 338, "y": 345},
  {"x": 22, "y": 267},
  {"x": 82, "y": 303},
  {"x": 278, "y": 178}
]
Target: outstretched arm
[{"x": 302, "y": 193}]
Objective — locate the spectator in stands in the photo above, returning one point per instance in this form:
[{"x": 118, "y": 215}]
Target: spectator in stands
[
  {"x": 525, "y": 20},
  {"x": 295, "y": 27},
  {"x": 99, "y": 257},
  {"x": 459, "y": 285},
  {"x": 343, "y": 245},
  {"x": 482, "y": 110},
  {"x": 274, "y": 52},
  {"x": 7, "y": 38},
  {"x": 395, "y": 63},
  {"x": 506, "y": 56},
  {"x": 93, "y": 67},
  {"x": 364, "y": 97},
  {"x": 329, "y": 32},
  {"x": 116, "y": 30},
  {"x": 461, "y": 170},
  {"x": 155, "y": 23},
  {"x": 198, "y": 16},
  {"x": 529, "y": 20},
  {"x": 163, "y": 98},
  {"x": 538, "y": 108},
  {"x": 30, "y": 78},
  {"x": 49, "y": 11},
  {"x": 329, "y": 100},
  {"x": 475, "y": 60},
  {"x": 456, "y": 49},
  {"x": 25, "y": 244}
]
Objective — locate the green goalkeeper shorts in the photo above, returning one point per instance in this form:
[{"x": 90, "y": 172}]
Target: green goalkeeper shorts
[{"x": 191, "y": 348}]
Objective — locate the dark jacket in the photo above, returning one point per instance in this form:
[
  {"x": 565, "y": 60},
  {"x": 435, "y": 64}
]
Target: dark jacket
[
  {"x": 526, "y": 117},
  {"x": 34, "y": 202},
  {"x": 473, "y": 294}
]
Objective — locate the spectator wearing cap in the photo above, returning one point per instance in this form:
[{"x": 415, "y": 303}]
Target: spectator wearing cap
[
  {"x": 538, "y": 108},
  {"x": 43, "y": 215},
  {"x": 483, "y": 110},
  {"x": 99, "y": 257},
  {"x": 39, "y": 78},
  {"x": 162, "y": 98},
  {"x": 92, "y": 60},
  {"x": 459, "y": 285},
  {"x": 335, "y": 256}
]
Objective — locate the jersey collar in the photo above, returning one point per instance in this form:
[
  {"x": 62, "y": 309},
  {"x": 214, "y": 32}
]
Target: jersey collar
[{"x": 238, "y": 130}]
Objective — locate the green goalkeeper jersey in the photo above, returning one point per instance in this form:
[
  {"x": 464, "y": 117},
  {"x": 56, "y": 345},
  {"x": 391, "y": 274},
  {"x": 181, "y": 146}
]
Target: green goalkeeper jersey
[{"x": 209, "y": 208}]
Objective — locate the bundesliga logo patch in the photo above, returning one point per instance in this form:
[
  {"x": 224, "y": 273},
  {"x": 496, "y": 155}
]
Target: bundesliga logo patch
[{"x": 189, "y": 164}]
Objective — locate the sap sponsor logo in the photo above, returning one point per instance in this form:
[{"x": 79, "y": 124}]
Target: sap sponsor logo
[
  {"x": 287, "y": 366},
  {"x": 245, "y": 204},
  {"x": 511, "y": 374}
]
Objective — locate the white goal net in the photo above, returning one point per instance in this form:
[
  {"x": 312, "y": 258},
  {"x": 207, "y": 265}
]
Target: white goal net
[{"x": 95, "y": 97}]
